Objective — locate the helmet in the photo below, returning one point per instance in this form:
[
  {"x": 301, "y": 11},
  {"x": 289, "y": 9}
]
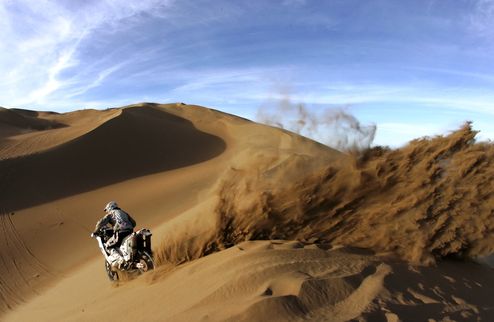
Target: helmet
[{"x": 110, "y": 206}]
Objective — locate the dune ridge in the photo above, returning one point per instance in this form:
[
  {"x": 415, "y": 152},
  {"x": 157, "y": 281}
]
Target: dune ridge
[
  {"x": 15, "y": 121},
  {"x": 24, "y": 132},
  {"x": 131, "y": 144}
]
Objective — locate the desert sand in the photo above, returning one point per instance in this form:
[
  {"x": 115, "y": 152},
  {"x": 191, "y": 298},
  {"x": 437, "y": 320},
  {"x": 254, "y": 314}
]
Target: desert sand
[{"x": 249, "y": 222}]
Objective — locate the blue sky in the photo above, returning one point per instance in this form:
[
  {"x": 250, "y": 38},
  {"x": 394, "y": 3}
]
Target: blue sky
[{"x": 413, "y": 68}]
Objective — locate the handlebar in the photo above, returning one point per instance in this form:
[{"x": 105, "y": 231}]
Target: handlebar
[{"x": 102, "y": 232}]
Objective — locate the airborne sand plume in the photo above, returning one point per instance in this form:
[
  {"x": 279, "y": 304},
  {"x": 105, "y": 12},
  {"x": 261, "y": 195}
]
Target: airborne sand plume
[
  {"x": 333, "y": 127},
  {"x": 428, "y": 200},
  {"x": 293, "y": 230}
]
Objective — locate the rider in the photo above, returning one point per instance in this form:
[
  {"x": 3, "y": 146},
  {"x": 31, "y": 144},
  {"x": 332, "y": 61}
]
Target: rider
[{"x": 123, "y": 224}]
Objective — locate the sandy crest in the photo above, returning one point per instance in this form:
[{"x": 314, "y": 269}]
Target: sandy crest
[
  {"x": 207, "y": 183},
  {"x": 138, "y": 141},
  {"x": 26, "y": 132}
]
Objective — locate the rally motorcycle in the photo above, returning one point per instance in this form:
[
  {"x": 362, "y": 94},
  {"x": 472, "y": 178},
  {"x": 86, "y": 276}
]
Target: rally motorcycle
[{"x": 134, "y": 255}]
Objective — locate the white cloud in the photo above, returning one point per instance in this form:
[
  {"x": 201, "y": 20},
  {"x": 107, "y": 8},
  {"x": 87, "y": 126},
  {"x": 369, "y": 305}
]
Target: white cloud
[
  {"x": 41, "y": 40},
  {"x": 233, "y": 78},
  {"x": 58, "y": 53},
  {"x": 484, "y": 77},
  {"x": 256, "y": 85},
  {"x": 64, "y": 61},
  {"x": 440, "y": 97},
  {"x": 95, "y": 82}
]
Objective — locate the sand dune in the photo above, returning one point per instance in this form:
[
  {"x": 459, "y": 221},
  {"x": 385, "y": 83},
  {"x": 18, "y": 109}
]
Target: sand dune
[
  {"x": 25, "y": 132},
  {"x": 207, "y": 183},
  {"x": 137, "y": 142},
  {"x": 43, "y": 203}
]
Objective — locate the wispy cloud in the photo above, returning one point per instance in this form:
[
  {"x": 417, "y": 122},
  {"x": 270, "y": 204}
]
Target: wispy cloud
[
  {"x": 428, "y": 95},
  {"x": 472, "y": 75},
  {"x": 48, "y": 41},
  {"x": 234, "y": 78},
  {"x": 430, "y": 55},
  {"x": 482, "y": 18},
  {"x": 101, "y": 76}
]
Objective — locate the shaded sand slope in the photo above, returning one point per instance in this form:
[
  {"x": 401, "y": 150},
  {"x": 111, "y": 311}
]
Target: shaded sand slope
[
  {"x": 16, "y": 122},
  {"x": 139, "y": 141},
  {"x": 46, "y": 243},
  {"x": 277, "y": 281},
  {"x": 24, "y": 132}
]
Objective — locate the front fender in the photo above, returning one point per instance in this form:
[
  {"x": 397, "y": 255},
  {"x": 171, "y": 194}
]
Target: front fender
[{"x": 102, "y": 248}]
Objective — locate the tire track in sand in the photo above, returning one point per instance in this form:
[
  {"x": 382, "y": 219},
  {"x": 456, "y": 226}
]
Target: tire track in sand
[{"x": 20, "y": 269}]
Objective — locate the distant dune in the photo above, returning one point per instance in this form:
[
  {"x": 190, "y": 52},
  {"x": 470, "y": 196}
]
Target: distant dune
[
  {"x": 250, "y": 222},
  {"x": 124, "y": 144}
]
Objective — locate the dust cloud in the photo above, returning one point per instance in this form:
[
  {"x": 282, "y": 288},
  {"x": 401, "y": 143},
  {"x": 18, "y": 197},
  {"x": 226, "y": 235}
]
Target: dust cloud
[
  {"x": 333, "y": 127},
  {"x": 429, "y": 200}
]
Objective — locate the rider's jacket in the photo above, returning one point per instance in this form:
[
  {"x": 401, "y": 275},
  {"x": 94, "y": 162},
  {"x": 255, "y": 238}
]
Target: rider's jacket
[{"x": 119, "y": 219}]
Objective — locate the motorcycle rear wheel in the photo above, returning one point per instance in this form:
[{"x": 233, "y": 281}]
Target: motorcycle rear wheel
[{"x": 146, "y": 261}]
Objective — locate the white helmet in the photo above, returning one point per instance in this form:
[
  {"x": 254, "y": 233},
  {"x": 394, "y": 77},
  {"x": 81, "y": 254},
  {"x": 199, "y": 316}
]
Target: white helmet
[{"x": 110, "y": 206}]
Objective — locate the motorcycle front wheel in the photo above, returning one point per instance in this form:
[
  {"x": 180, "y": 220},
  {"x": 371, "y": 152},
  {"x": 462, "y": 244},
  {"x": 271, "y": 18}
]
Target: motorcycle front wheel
[{"x": 112, "y": 275}]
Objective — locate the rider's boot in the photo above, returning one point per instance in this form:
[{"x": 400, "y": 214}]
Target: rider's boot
[{"x": 116, "y": 260}]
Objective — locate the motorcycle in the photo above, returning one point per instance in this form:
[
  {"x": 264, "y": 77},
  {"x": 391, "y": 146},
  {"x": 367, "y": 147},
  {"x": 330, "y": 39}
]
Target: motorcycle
[{"x": 134, "y": 255}]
